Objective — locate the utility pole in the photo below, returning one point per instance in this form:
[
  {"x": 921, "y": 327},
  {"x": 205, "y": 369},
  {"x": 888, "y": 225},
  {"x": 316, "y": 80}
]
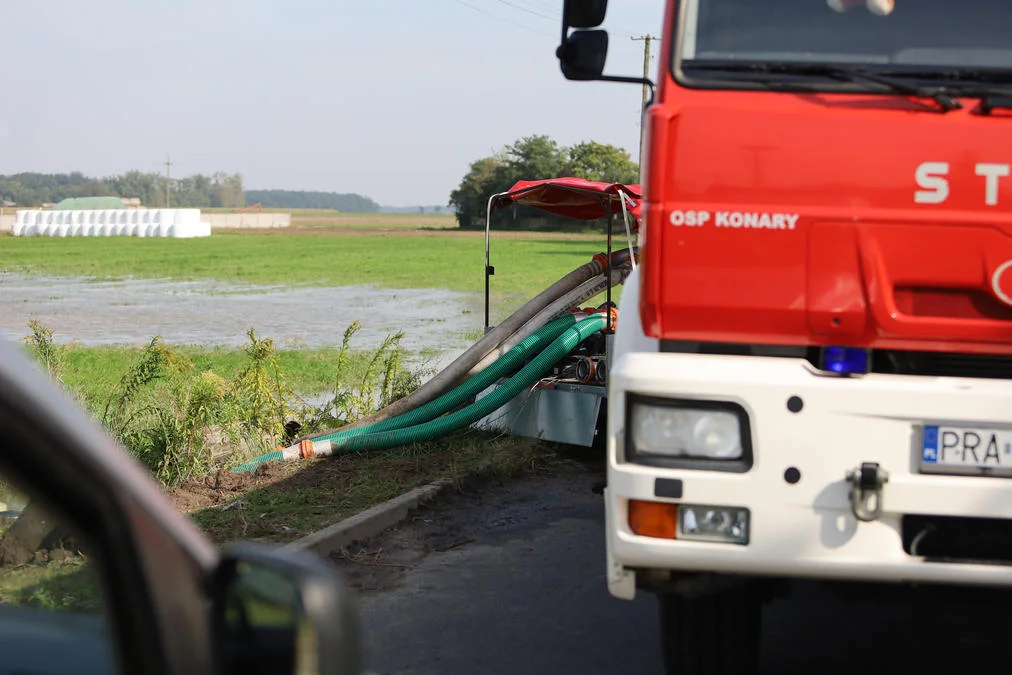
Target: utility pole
[
  {"x": 168, "y": 179},
  {"x": 646, "y": 89}
]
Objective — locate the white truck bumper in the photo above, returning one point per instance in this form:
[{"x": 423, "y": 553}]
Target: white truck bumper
[{"x": 806, "y": 529}]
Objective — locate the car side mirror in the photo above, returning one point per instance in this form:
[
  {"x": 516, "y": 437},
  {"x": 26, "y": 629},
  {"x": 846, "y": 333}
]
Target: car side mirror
[
  {"x": 281, "y": 611},
  {"x": 583, "y": 53},
  {"x": 584, "y": 13}
]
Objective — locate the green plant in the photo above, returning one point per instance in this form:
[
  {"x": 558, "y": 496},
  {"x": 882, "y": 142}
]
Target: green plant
[
  {"x": 384, "y": 379},
  {"x": 50, "y": 356},
  {"x": 119, "y": 410},
  {"x": 183, "y": 421},
  {"x": 260, "y": 393}
]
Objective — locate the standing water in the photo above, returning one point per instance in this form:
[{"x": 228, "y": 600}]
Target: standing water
[{"x": 436, "y": 323}]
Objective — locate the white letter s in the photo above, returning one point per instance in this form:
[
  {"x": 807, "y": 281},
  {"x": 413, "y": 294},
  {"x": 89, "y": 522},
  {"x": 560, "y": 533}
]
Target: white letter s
[{"x": 935, "y": 187}]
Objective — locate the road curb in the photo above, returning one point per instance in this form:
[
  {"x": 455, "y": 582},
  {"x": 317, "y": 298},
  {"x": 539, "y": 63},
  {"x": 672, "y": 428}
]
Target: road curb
[{"x": 370, "y": 522}]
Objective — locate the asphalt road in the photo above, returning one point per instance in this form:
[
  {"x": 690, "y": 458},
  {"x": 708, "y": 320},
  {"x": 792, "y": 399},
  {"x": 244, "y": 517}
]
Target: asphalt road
[{"x": 510, "y": 579}]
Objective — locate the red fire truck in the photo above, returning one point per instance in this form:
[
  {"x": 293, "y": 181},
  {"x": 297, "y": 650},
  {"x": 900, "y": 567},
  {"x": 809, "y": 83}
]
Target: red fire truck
[{"x": 812, "y": 375}]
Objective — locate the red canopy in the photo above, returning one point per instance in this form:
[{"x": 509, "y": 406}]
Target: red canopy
[{"x": 573, "y": 197}]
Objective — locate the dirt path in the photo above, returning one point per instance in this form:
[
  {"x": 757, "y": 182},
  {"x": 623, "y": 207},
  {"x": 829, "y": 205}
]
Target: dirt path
[
  {"x": 478, "y": 514},
  {"x": 286, "y": 500}
]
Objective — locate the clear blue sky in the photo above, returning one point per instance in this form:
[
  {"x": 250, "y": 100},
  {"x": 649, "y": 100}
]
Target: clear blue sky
[{"x": 387, "y": 98}]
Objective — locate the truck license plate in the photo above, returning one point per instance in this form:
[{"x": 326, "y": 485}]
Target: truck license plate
[{"x": 966, "y": 450}]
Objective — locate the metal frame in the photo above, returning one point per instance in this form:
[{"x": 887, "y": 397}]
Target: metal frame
[{"x": 606, "y": 202}]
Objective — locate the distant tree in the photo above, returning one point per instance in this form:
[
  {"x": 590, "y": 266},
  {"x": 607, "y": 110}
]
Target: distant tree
[
  {"x": 530, "y": 158},
  {"x": 226, "y": 191},
  {"x": 143, "y": 186},
  {"x": 535, "y": 158},
  {"x": 293, "y": 199},
  {"x": 35, "y": 189},
  {"x": 474, "y": 190},
  {"x": 601, "y": 162}
]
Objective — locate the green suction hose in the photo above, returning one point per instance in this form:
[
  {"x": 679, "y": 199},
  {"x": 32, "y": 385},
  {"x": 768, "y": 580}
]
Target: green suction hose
[
  {"x": 504, "y": 366},
  {"x": 441, "y": 426},
  {"x": 254, "y": 464},
  {"x": 373, "y": 438}
]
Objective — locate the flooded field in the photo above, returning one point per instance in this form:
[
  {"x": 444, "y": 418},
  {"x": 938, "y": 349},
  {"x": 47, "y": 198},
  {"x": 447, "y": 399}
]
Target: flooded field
[{"x": 434, "y": 322}]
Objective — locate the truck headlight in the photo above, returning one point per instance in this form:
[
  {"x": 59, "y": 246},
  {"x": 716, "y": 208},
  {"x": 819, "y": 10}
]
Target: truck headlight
[{"x": 686, "y": 430}]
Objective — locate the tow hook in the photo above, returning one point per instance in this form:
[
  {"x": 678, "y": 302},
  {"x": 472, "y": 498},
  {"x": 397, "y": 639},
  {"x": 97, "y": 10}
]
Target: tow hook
[{"x": 866, "y": 490}]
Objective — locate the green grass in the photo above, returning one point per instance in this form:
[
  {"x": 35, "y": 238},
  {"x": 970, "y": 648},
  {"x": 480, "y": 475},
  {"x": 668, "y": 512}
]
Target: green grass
[
  {"x": 94, "y": 372},
  {"x": 317, "y": 493},
  {"x": 524, "y": 265},
  {"x": 62, "y": 585}
]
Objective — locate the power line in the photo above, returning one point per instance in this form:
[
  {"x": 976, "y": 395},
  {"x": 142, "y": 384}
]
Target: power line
[
  {"x": 530, "y": 11},
  {"x": 496, "y": 16},
  {"x": 551, "y": 7}
]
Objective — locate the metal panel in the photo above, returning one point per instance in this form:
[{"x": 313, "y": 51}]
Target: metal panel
[{"x": 567, "y": 413}]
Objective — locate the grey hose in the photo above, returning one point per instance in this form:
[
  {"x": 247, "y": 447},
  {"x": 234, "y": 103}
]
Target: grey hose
[
  {"x": 459, "y": 369},
  {"x": 574, "y": 298}
]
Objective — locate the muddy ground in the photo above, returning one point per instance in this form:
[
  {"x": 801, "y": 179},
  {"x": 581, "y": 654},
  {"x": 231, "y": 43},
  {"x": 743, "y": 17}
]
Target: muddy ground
[{"x": 281, "y": 502}]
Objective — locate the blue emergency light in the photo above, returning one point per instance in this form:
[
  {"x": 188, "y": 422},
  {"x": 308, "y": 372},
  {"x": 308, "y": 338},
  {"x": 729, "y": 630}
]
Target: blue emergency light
[{"x": 846, "y": 360}]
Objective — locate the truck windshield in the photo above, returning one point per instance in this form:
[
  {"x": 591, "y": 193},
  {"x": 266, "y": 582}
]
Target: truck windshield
[{"x": 923, "y": 35}]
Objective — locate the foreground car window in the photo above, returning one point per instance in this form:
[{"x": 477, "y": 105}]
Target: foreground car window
[{"x": 51, "y": 604}]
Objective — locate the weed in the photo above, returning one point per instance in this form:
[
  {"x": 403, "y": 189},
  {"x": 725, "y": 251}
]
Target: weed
[
  {"x": 118, "y": 413},
  {"x": 183, "y": 422},
  {"x": 261, "y": 396},
  {"x": 51, "y": 357}
]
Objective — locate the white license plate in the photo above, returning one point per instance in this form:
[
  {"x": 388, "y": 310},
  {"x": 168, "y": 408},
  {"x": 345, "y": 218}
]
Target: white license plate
[{"x": 966, "y": 450}]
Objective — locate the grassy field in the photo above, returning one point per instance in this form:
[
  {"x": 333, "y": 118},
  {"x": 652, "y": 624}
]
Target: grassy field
[
  {"x": 284, "y": 501},
  {"x": 94, "y": 372},
  {"x": 62, "y": 585},
  {"x": 524, "y": 265}
]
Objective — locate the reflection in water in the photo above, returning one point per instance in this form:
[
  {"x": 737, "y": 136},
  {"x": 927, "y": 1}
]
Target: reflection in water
[{"x": 215, "y": 313}]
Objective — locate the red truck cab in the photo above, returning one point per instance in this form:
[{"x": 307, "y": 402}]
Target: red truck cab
[{"x": 811, "y": 377}]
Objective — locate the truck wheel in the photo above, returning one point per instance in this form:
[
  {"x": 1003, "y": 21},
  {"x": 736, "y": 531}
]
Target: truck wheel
[{"x": 716, "y": 634}]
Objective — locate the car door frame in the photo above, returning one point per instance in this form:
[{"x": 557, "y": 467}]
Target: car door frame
[{"x": 154, "y": 563}]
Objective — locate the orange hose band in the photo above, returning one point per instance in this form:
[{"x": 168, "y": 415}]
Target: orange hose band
[
  {"x": 601, "y": 258},
  {"x": 612, "y": 321},
  {"x": 306, "y": 449}
]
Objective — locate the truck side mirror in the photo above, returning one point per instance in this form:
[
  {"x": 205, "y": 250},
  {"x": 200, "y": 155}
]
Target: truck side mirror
[
  {"x": 584, "y": 13},
  {"x": 583, "y": 53},
  {"x": 279, "y": 611}
]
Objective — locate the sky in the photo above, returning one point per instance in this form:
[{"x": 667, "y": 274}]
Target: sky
[{"x": 391, "y": 99}]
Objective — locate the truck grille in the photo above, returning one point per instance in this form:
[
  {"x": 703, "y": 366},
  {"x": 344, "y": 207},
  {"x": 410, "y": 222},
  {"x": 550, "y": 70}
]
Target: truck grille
[
  {"x": 887, "y": 361},
  {"x": 941, "y": 364},
  {"x": 957, "y": 539}
]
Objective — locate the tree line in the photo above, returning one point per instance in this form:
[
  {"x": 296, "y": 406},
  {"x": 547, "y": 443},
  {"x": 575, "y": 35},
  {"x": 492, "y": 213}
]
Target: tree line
[
  {"x": 302, "y": 199},
  {"x": 534, "y": 158},
  {"x": 35, "y": 189}
]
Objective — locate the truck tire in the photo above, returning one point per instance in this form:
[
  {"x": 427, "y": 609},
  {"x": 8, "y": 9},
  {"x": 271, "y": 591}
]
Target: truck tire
[{"x": 716, "y": 634}]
